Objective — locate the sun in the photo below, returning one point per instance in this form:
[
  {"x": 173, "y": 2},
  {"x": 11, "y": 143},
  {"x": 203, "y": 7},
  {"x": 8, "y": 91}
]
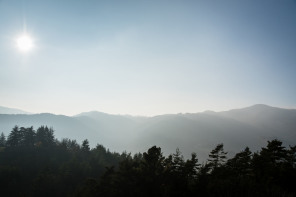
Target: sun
[{"x": 24, "y": 43}]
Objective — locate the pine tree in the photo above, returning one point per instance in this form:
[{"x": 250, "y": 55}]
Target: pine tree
[
  {"x": 14, "y": 138},
  {"x": 153, "y": 159},
  {"x": 29, "y": 137},
  {"x": 2, "y": 140},
  {"x": 292, "y": 156},
  {"x": 191, "y": 166},
  {"x": 152, "y": 171},
  {"x": 217, "y": 156},
  {"x": 275, "y": 152},
  {"x": 85, "y": 146},
  {"x": 178, "y": 161},
  {"x": 45, "y": 136}
]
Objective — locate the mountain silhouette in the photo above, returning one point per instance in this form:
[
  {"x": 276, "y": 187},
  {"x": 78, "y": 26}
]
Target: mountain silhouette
[
  {"x": 6, "y": 110},
  {"x": 190, "y": 132}
]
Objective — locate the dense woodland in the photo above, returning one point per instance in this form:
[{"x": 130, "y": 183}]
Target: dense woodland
[{"x": 34, "y": 163}]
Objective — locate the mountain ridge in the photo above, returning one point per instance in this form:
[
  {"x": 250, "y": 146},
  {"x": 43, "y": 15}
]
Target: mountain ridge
[
  {"x": 88, "y": 113},
  {"x": 190, "y": 132},
  {"x": 7, "y": 110}
]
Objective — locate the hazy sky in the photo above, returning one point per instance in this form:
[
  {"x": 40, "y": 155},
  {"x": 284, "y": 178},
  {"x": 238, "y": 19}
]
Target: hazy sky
[{"x": 147, "y": 57}]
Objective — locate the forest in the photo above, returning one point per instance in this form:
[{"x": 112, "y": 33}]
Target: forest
[{"x": 35, "y": 163}]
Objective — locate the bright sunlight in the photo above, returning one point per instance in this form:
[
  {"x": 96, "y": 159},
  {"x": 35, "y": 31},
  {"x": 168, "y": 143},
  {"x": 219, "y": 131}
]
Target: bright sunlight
[{"x": 24, "y": 43}]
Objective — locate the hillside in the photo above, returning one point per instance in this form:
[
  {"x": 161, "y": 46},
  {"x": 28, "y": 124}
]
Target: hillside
[
  {"x": 6, "y": 110},
  {"x": 197, "y": 132}
]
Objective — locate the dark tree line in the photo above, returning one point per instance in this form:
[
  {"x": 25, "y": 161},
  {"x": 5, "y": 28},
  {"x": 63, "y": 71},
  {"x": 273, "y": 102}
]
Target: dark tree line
[{"x": 34, "y": 163}]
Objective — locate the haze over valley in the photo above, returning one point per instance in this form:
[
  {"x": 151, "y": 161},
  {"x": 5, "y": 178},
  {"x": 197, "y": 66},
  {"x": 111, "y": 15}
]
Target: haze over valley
[{"x": 192, "y": 132}]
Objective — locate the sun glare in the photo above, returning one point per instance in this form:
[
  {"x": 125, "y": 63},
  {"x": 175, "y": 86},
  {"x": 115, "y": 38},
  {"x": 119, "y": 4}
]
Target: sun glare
[{"x": 24, "y": 43}]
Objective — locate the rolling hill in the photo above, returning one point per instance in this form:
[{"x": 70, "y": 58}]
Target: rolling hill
[
  {"x": 6, "y": 110},
  {"x": 195, "y": 132}
]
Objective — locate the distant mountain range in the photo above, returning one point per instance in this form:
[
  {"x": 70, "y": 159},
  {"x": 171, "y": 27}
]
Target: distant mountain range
[
  {"x": 6, "y": 110},
  {"x": 192, "y": 132}
]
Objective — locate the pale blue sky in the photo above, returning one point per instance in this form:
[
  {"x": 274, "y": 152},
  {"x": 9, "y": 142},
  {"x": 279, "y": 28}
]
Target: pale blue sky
[{"x": 148, "y": 57}]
